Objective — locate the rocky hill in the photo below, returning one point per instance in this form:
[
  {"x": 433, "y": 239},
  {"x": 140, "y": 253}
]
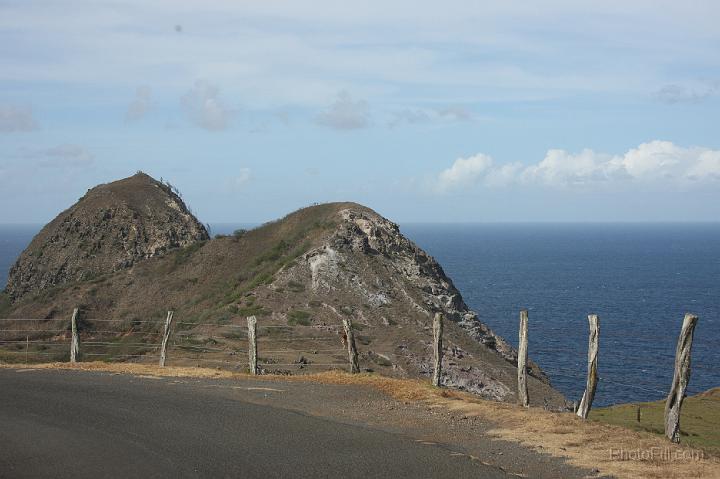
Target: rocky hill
[
  {"x": 110, "y": 228},
  {"x": 299, "y": 275}
]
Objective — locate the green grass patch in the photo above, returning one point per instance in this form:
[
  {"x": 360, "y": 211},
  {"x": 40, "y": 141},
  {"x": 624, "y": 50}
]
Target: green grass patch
[
  {"x": 275, "y": 253},
  {"x": 699, "y": 419},
  {"x": 299, "y": 318},
  {"x": 231, "y": 297},
  {"x": 253, "y": 310},
  {"x": 183, "y": 256},
  {"x": 260, "y": 279}
]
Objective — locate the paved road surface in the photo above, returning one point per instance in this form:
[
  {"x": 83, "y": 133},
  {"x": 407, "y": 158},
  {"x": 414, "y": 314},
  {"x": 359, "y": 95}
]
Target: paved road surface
[{"x": 56, "y": 424}]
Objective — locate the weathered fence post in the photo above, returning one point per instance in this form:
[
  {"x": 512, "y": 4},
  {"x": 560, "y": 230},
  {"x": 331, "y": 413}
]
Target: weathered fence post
[
  {"x": 523, "y": 399},
  {"x": 437, "y": 348},
  {"x": 252, "y": 344},
  {"x": 681, "y": 378},
  {"x": 74, "y": 340},
  {"x": 166, "y": 336},
  {"x": 352, "y": 350},
  {"x": 592, "y": 377}
]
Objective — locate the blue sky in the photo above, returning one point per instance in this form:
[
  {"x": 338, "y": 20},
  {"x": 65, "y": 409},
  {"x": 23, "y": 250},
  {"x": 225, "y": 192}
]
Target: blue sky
[{"x": 424, "y": 111}]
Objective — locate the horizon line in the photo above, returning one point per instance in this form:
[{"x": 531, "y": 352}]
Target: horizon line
[{"x": 468, "y": 222}]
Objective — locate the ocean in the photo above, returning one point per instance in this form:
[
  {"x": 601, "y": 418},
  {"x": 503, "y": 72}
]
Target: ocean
[{"x": 639, "y": 278}]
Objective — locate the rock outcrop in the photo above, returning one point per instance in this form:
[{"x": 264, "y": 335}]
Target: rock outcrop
[
  {"x": 110, "y": 228},
  {"x": 368, "y": 263},
  {"x": 364, "y": 232}
]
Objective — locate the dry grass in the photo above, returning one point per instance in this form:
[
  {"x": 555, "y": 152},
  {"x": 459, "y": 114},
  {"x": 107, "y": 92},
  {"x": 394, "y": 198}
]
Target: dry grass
[
  {"x": 585, "y": 444},
  {"x": 135, "y": 369}
]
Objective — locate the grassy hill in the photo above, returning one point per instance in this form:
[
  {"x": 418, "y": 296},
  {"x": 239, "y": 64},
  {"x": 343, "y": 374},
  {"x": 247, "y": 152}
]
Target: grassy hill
[
  {"x": 699, "y": 423},
  {"x": 300, "y": 276}
]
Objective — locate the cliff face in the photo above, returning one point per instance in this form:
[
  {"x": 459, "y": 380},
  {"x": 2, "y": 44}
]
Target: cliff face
[
  {"x": 110, "y": 228},
  {"x": 384, "y": 279}
]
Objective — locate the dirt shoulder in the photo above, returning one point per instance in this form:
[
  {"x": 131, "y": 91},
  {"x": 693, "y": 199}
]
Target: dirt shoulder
[{"x": 524, "y": 442}]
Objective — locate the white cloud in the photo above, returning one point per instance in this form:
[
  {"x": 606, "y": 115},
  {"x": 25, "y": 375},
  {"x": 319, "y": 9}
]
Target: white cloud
[
  {"x": 205, "y": 108},
  {"x": 659, "y": 163},
  {"x": 13, "y": 119},
  {"x": 560, "y": 168},
  {"x": 61, "y": 156},
  {"x": 140, "y": 104},
  {"x": 465, "y": 172},
  {"x": 502, "y": 175},
  {"x": 345, "y": 113},
  {"x": 657, "y": 159},
  {"x": 707, "y": 166}
]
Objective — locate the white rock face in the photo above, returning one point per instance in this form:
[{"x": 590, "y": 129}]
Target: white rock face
[
  {"x": 324, "y": 268},
  {"x": 369, "y": 259}
]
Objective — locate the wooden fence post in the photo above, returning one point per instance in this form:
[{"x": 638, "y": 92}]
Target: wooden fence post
[
  {"x": 681, "y": 378},
  {"x": 166, "y": 336},
  {"x": 252, "y": 344},
  {"x": 352, "y": 350},
  {"x": 437, "y": 348},
  {"x": 592, "y": 377},
  {"x": 74, "y": 340},
  {"x": 523, "y": 399}
]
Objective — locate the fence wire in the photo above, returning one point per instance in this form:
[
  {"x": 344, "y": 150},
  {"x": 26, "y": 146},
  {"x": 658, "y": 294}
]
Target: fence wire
[
  {"x": 223, "y": 339},
  {"x": 207, "y": 343}
]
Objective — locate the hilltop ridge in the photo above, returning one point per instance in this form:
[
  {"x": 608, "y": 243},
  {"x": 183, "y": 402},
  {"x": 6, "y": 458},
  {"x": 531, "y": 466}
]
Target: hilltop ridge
[
  {"x": 110, "y": 228},
  {"x": 307, "y": 270}
]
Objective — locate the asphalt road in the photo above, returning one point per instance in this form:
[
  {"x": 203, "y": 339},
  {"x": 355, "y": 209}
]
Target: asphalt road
[{"x": 58, "y": 424}]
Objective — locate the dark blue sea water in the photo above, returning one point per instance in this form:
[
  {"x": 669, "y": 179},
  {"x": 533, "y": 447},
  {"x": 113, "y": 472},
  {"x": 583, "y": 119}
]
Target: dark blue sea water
[
  {"x": 13, "y": 239},
  {"x": 640, "y": 279}
]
